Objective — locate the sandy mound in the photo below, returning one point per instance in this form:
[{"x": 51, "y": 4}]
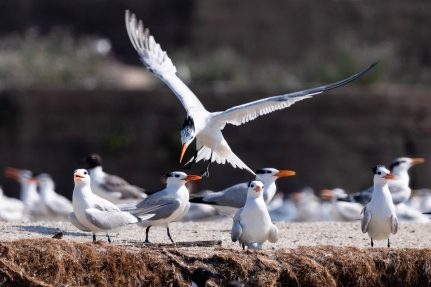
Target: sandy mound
[{"x": 49, "y": 262}]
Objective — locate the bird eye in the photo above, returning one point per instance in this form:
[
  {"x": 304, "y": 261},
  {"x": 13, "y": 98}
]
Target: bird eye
[
  {"x": 379, "y": 173},
  {"x": 85, "y": 172},
  {"x": 177, "y": 175},
  {"x": 252, "y": 185}
]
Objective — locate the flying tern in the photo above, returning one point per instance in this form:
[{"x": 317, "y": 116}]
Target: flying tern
[
  {"x": 175, "y": 194},
  {"x": 108, "y": 186},
  {"x": 379, "y": 218},
  {"x": 252, "y": 224},
  {"x": 232, "y": 198},
  {"x": 201, "y": 124},
  {"x": 92, "y": 213}
]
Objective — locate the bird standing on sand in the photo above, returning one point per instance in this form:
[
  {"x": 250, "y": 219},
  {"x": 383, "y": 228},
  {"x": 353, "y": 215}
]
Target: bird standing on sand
[
  {"x": 201, "y": 124},
  {"x": 252, "y": 224},
  {"x": 232, "y": 198},
  {"x": 175, "y": 194},
  {"x": 55, "y": 204},
  {"x": 92, "y": 213},
  {"x": 11, "y": 209},
  {"x": 399, "y": 186},
  {"x": 108, "y": 186},
  {"x": 379, "y": 218},
  {"x": 32, "y": 200}
]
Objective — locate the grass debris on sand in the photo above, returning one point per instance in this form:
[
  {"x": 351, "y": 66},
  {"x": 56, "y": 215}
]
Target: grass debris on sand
[{"x": 52, "y": 262}]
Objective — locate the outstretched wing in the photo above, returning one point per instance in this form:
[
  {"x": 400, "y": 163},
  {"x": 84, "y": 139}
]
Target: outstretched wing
[
  {"x": 158, "y": 62},
  {"x": 247, "y": 112}
]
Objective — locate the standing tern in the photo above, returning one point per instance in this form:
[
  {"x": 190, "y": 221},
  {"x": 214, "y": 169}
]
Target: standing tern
[
  {"x": 379, "y": 218},
  {"x": 55, "y": 204},
  {"x": 108, "y": 186},
  {"x": 92, "y": 213},
  {"x": 232, "y": 198},
  {"x": 340, "y": 210},
  {"x": 252, "y": 224},
  {"x": 11, "y": 209},
  {"x": 201, "y": 124},
  {"x": 32, "y": 200},
  {"x": 175, "y": 194},
  {"x": 399, "y": 187}
]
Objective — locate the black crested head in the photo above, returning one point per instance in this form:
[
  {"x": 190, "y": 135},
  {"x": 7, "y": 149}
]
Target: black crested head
[
  {"x": 189, "y": 122},
  {"x": 396, "y": 163},
  {"x": 93, "y": 160},
  {"x": 260, "y": 171},
  {"x": 376, "y": 167},
  {"x": 201, "y": 275}
]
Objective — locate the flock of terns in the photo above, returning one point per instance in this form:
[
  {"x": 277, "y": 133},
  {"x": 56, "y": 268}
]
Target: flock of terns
[{"x": 103, "y": 202}]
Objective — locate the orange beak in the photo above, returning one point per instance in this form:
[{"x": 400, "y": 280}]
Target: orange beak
[
  {"x": 389, "y": 176},
  {"x": 418, "y": 160},
  {"x": 183, "y": 151},
  {"x": 258, "y": 189},
  {"x": 283, "y": 173},
  {"x": 33, "y": 180},
  {"x": 326, "y": 194},
  {"x": 192, "y": 177},
  {"x": 11, "y": 172},
  {"x": 77, "y": 176}
]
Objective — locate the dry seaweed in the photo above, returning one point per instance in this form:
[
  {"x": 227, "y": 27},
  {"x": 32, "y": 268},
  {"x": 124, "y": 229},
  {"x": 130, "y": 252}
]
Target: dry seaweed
[{"x": 51, "y": 262}]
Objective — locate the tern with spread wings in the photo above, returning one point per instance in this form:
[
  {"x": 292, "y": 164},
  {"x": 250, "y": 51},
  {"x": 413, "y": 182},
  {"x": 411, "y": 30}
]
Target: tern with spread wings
[{"x": 201, "y": 124}]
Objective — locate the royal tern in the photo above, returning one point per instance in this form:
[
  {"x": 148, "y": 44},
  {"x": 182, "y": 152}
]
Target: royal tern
[
  {"x": 108, "y": 186},
  {"x": 55, "y": 204},
  {"x": 175, "y": 194},
  {"x": 11, "y": 209},
  {"x": 32, "y": 200},
  {"x": 379, "y": 217},
  {"x": 340, "y": 210},
  {"x": 200, "y": 277},
  {"x": 252, "y": 224},
  {"x": 232, "y": 198},
  {"x": 92, "y": 213},
  {"x": 201, "y": 124},
  {"x": 399, "y": 187}
]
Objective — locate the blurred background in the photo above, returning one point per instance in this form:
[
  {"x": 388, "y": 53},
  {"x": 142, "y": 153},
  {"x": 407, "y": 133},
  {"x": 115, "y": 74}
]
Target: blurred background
[{"x": 71, "y": 83}]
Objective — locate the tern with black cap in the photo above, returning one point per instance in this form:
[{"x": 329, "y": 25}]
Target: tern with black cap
[{"x": 201, "y": 124}]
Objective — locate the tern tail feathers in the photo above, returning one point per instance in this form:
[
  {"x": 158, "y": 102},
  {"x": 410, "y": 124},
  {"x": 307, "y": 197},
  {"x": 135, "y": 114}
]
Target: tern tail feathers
[{"x": 205, "y": 153}]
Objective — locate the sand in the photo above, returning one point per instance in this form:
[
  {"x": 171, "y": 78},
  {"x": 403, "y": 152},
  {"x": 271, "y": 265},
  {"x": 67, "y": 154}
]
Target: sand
[{"x": 292, "y": 234}]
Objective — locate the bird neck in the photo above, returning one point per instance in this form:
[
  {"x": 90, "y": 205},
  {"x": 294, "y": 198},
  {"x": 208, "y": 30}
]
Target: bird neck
[
  {"x": 97, "y": 172},
  {"x": 269, "y": 190},
  {"x": 381, "y": 190},
  {"x": 402, "y": 176},
  {"x": 83, "y": 189},
  {"x": 28, "y": 192},
  {"x": 251, "y": 200}
]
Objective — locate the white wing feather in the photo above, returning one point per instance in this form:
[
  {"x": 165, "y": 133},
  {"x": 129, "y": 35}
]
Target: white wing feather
[
  {"x": 247, "y": 112},
  {"x": 158, "y": 62}
]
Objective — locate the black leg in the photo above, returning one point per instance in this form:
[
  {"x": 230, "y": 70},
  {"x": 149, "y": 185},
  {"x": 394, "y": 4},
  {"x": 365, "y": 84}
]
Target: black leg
[
  {"x": 169, "y": 235},
  {"x": 243, "y": 246},
  {"x": 109, "y": 238},
  {"x": 189, "y": 165},
  {"x": 389, "y": 244},
  {"x": 372, "y": 243},
  {"x": 94, "y": 237},
  {"x": 146, "y": 234},
  {"x": 206, "y": 172}
]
